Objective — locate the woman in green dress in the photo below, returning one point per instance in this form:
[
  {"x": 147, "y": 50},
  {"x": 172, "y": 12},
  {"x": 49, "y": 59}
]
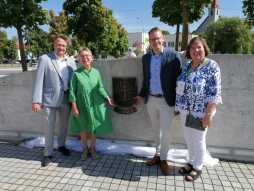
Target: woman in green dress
[{"x": 90, "y": 116}]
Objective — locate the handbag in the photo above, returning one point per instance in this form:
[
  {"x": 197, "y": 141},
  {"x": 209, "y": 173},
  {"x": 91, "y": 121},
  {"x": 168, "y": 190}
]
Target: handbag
[{"x": 193, "y": 122}]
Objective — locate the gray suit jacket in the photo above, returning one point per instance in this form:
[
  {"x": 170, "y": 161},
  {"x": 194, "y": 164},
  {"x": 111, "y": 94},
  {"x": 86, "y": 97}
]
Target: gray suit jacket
[{"x": 48, "y": 85}]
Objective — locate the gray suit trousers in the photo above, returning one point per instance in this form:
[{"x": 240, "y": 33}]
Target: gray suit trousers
[{"x": 59, "y": 118}]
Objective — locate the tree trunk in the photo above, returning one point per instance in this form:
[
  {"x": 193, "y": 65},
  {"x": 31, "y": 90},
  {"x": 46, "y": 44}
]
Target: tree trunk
[
  {"x": 177, "y": 37},
  {"x": 22, "y": 49},
  {"x": 185, "y": 33}
]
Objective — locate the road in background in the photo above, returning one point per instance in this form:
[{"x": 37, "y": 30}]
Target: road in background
[{"x": 8, "y": 71}]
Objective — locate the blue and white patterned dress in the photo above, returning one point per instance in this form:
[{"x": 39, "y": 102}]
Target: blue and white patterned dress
[{"x": 201, "y": 85}]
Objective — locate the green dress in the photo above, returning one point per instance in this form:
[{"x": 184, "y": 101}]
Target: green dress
[{"x": 87, "y": 90}]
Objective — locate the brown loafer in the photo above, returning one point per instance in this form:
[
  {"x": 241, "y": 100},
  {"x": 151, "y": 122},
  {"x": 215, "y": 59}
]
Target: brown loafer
[
  {"x": 155, "y": 160},
  {"x": 185, "y": 169},
  {"x": 165, "y": 169}
]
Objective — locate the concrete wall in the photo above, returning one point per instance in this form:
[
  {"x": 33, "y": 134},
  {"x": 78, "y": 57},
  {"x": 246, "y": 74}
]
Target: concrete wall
[
  {"x": 233, "y": 127},
  {"x": 230, "y": 137},
  {"x": 16, "y": 117}
]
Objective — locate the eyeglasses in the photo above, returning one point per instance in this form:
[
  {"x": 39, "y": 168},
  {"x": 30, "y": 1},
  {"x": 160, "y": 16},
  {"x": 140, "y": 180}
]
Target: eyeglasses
[{"x": 85, "y": 55}]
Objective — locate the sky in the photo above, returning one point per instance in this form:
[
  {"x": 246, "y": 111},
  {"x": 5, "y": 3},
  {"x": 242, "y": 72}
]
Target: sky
[{"x": 136, "y": 15}]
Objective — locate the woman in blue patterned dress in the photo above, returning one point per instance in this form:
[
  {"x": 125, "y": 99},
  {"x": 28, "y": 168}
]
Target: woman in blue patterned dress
[{"x": 198, "y": 92}]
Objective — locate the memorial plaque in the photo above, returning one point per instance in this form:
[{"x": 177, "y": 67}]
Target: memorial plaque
[{"x": 124, "y": 91}]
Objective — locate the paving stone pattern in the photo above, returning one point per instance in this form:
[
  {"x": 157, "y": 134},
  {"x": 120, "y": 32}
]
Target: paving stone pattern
[{"x": 20, "y": 169}]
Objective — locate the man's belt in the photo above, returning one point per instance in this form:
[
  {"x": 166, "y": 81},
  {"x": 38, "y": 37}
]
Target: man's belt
[{"x": 156, "y": 95}]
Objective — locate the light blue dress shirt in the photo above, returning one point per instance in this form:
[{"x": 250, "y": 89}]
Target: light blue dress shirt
[{"x": 155, "y": 68}]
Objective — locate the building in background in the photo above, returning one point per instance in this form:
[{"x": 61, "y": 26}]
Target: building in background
[
  {"x": 170, "y": 40},
  {"x": 138, "y": 42},
  {"x": 213, "y": 16}
]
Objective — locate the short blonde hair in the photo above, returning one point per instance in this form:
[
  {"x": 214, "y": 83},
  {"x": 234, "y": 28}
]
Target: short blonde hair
[{"x": 85, "y": 49}]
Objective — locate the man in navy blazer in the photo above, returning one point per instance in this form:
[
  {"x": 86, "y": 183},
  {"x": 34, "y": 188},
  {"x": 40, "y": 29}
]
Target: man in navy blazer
[
  {"x": 161, "y": 67},
  {"x": 51, "y": 93}
]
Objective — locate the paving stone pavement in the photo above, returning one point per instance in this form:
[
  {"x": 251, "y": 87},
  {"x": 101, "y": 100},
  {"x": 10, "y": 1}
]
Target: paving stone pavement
[{"x": 20, "y": 169}]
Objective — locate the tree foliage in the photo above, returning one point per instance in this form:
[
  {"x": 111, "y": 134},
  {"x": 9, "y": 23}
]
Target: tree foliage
[
  {"x": 8, "y": 48},
  {"x": 58, "y": 24},
  {"x": 37, "y": 42},
  {"x": 11, "y": 51},
  {"x": 229, "y": 35},
  {"x": 165, "y": 32},
  {"x": 94, "y": 25},
  {"x": 248, "y": 11},
  {"x": 3, "y": 44},
  {"x": 176, "y": 12},
  {"x": 22, "y": 14}
]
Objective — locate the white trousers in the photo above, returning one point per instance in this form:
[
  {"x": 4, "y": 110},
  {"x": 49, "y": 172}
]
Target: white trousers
[
  {"x": 196, "y": 144},
  {"x": 161, "y": 117},
  {"x": 62, "y": 113}
]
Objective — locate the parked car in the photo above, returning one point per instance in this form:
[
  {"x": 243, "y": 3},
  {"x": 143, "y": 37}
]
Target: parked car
[{"x": 6, "y": 61}]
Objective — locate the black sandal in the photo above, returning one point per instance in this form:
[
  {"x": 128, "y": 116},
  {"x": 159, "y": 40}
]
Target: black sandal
[
  {"x": 185, "y": 169},
  {"x": 193, "y": 175}
]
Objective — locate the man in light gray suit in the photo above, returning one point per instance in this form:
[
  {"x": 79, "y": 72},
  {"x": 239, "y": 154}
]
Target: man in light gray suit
[{"x": 51, "y": 93}]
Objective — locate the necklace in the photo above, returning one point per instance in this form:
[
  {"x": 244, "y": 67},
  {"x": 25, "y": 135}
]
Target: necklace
[{"x": 194, "y": 66}]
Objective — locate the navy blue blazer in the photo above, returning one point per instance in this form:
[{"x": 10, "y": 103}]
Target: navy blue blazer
[{"x": 170, "y": 70}]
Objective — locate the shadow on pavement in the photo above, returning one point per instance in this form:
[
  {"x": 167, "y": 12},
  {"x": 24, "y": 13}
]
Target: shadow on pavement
[{"x": 124, "y": 167}]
